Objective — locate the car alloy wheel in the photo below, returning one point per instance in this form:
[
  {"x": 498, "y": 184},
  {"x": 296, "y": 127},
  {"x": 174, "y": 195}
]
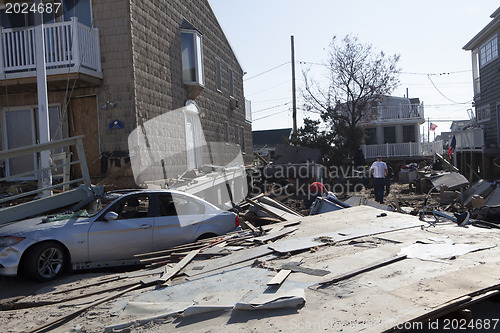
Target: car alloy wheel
[
  {"x": 45, "y": 261},
  {"x": 50, "y": 263}
]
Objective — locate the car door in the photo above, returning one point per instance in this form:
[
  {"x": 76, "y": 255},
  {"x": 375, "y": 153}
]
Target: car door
[
  {"x": 177, "y": 221},
  {"x": 131, "y": 233}
]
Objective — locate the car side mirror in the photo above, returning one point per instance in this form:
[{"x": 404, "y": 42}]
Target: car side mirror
[{"x": 111, "y": 216}]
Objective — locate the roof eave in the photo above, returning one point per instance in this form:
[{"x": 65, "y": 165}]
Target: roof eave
[{"x": 483, "y": 34}]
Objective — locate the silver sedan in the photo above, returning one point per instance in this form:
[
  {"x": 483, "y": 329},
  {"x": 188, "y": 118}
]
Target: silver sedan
[{"x": 109, "y": 233}]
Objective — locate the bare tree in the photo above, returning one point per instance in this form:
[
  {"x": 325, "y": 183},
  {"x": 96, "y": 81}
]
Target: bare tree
[{"x": 358, "y": 76}]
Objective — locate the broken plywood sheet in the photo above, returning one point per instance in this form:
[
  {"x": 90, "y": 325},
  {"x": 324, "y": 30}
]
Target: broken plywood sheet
[
  {"x": 279, "y": 300},
  {"x": 434, "y": 291},
  {"x": 452, "y": 180},
  {"x": 494, "y": 198},
  {"x": 439, "y": 252},
  {"x": 205, "y": 266},
  {"x": 482, "y": 188},
  {"x": 359, "y": 201},
  {"x": 212, "y": 293}
]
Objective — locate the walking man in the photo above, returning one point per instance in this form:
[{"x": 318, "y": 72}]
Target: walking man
[{"x": 379, "y": 171}]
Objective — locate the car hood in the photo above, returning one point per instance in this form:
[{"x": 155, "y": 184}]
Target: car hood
[{"x": 30, "y": 226}]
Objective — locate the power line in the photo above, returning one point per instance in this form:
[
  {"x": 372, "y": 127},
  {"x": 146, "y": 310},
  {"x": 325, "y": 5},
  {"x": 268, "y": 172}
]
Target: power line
[
  {"x": 271, "y": 107},
  {"x": 439, "y": 91},
  {"x": 269, "y": 70},
  {"x": 271, "y": 115},
  {"x": 279, "y": 84},
  {"x": 436, "y": 74}
]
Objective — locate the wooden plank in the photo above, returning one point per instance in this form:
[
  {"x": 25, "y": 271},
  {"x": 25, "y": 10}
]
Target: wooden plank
[
  {"x": 365, "y": 269},
  {"x": 250, "y": 226},
  {"x": 279, "y": 205},
  {"x": 180, "y": 265},
  {"x": 274, "y": 235},
  {"x": 59, "y": 321},
  {"x": 279, "y": 278},
  {"x": 259, "y": 206}
]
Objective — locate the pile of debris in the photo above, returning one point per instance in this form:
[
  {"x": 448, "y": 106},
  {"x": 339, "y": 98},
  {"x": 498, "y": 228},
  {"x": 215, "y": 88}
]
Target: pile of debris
[{"x": 346, "y": 263}]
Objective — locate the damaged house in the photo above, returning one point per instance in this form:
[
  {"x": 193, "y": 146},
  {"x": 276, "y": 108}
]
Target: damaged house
[
  {"x": 484, "y": 140},
  {"x": 112, "y": 67},
  {"x": 393, "y": 130}
]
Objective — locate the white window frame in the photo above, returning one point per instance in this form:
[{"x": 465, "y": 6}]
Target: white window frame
[
  {"x": 218, "y": 74},
  {"x": 497, "y": 106},
  {"x": 230, "y": 80},
  {"x": 226, "y": 132},
  {"x": 488, "y": 51},
  {"x": 198, "y": 58},
  {"x": 483, "y": 114}
]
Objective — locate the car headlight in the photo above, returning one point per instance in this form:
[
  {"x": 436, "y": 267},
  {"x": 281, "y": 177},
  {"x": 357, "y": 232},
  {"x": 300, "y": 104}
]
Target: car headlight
[{"x": 9, "y": 240}]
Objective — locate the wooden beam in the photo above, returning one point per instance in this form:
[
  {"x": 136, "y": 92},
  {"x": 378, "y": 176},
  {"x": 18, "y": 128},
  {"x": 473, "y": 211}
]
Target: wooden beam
[
  {"x": 279, "y": 278},
  {"x": 368, "y": 268},
  {"x": 180, "y": 265},
  {"x": 259, "y": 206}
]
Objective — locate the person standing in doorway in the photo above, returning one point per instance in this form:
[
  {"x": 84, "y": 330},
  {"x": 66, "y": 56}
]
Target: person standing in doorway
[{"x": 379, "y": 171}]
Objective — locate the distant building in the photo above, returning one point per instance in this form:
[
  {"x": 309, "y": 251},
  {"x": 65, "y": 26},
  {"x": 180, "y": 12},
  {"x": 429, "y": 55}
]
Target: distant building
[
  {"x": 485, "y": 141},
  {"x": 265, "y": 141},
  {"x": 393, "y": 130}
]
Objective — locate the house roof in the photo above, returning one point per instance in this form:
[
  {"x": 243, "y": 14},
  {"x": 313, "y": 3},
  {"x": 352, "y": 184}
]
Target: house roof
[
  {"x": 485, "y": 33},
  {"x": 270, "y": 138}
]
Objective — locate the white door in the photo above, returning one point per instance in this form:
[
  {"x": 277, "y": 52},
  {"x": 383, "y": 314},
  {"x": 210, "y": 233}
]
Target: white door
[{"x": 193, "y": 138}]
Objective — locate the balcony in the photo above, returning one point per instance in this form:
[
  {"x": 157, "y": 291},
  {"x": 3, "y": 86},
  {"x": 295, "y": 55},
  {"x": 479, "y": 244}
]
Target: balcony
[
  {"x": 402, "y": 150},
  {"x": 71, "y": 48},
  {"x": 404, "y": 113},
  {"x": 469, "y": 140}
]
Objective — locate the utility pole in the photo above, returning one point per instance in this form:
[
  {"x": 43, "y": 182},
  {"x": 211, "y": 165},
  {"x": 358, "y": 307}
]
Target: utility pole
[
  {"x": 294, "y": 98},
  {"x": 45, "y": 177}
]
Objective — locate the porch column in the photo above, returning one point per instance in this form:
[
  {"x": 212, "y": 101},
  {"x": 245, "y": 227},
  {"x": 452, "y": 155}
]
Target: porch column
[{"x": 45, "y": 179}]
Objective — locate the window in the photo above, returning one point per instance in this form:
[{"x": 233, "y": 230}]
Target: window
[
  {"x": 390, "y": 134},
  {"x": 488, "y": 52},
  {"x": 192, "y": 56},
  {"x": 483, "y": 113},
  {"x": 371, "y": 136},
  {"x": 237, "y": 134},
  {"x": 498, "y": 123},
  {"x": 19, "y": 130},
  {"x": 226, "y": 132},
  {"x": 409, "y": 133},
  {"x": 475, "y": 73},
  {"x": 78, "y": 8},
  {"x": 134, "y": 207},
  {"x": 81, "y": 9},
  {"x": 218, "y": 77},
  {"x": 231, "y": 83},
  {"x": 242, "y": 134},
  {"x": 187, "y": 206}
]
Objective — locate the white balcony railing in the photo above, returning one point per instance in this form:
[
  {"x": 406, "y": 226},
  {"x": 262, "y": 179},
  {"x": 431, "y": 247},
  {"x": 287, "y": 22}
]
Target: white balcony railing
[
  {"x": 470, "y": 139},
  {"x": 408, "y": 111},
  {"x": 409, "y": 149},
  {"x": 69, "y": 46}
]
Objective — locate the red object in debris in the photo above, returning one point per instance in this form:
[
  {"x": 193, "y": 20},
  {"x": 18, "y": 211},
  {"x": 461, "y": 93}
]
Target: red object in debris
[
  {"x": 237, "y": 220},
  {"x": 317, "y": 188}
]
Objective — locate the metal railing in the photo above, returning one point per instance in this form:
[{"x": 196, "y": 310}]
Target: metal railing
[
  {"x": 67, "y": 45},
  {"x": 35, "y": 149}
]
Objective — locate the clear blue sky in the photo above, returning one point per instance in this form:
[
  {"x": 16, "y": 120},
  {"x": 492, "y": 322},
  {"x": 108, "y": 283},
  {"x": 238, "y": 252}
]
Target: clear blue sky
[{"x": 429, "y": 36}]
